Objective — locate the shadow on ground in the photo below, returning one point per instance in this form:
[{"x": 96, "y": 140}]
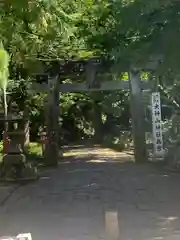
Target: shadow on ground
[{"x": 96, "y": 194}]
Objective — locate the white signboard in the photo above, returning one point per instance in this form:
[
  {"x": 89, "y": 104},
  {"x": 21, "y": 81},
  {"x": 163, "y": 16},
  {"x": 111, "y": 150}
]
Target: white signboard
[{"x": 156, "y": 124}]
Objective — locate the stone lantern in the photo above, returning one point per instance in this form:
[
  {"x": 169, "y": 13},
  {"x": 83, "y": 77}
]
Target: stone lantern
[{"x": 13, "y": 160}]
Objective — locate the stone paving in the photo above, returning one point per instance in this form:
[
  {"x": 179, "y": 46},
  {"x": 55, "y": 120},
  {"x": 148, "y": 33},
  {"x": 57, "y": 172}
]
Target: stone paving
[{"x": 95, "y": 195}]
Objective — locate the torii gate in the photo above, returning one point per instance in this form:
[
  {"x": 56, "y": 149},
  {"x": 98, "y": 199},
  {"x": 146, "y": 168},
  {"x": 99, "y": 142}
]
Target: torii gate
[{"x": 94, "y": 83}]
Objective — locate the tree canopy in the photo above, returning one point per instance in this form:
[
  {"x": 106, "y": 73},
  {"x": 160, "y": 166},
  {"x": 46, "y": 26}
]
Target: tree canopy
[{"x": 37, "y": 32}]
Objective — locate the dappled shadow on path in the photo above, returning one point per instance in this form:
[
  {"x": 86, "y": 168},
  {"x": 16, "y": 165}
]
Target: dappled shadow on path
[{"x": 97, "y": 194}]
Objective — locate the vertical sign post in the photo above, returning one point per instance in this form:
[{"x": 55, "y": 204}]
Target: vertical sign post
[{"x": 156, "y": 125}]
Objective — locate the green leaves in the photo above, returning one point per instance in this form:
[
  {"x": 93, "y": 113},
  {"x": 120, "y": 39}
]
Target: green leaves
[
  {"x": 4, "y": 59},
  {"x": 4, "y": 71},
  {"x": 36, "y": 28},
  {"x": 145, "y": 28}
]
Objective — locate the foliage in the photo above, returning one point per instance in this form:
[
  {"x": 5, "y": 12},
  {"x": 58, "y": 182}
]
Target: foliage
[
  {"x": 4, "y": 71},
  {"x": 38, "y": 32},
  {"x": 119, "y": 143},
  {"x": 28, "y": 27},
  {"x": 4, "y": 74},
  {"x": 142, "y": 29},
  {"x": 35, "y": 148},
  {"x": 172, "y": 140}
]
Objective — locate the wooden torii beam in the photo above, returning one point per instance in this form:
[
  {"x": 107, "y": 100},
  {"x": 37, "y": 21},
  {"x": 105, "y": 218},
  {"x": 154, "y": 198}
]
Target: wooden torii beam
[{"x": 83, "y": 87}]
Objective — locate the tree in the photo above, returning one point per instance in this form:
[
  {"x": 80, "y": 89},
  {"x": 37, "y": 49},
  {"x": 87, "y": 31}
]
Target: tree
[
  {"x": 32, "y": 30},
  {"x": 142, "y": 29}
]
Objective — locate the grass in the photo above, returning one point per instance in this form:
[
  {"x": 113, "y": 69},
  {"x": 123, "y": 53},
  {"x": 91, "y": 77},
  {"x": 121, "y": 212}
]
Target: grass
[
  {"x": 34, "y": 154},
  {"x": 35, "y": 149}
]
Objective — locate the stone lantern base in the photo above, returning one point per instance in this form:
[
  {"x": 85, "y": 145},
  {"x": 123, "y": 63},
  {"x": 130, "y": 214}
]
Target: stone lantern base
[{"x": 12, "y": 166}]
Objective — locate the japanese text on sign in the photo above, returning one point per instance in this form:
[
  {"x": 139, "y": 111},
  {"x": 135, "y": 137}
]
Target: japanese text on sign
[{"x": 156, "y": 124}]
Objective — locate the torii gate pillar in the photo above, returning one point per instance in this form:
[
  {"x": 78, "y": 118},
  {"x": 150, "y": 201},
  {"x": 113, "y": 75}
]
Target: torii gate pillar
[{"x": 137, "y": 113}]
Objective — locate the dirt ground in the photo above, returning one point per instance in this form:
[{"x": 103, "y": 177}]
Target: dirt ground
[{"x": 95, "y": 194}]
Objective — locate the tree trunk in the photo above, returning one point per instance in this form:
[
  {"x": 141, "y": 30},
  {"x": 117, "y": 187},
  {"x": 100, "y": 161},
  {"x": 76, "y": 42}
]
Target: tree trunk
[
  {"x": 26, "y": 129},
  {"x": 91, "y": 72},
  {"x": 5, "y": 111},
  {"x": 97, "y": 118}
]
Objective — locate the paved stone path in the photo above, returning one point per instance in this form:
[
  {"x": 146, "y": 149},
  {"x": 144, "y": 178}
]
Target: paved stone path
[{"x": 93, "y": 196}]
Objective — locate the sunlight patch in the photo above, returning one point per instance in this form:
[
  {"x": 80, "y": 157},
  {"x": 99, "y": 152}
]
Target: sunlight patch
[
  {"x": 96, "y": 161},
  {"x": 22, "y": 236}
]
